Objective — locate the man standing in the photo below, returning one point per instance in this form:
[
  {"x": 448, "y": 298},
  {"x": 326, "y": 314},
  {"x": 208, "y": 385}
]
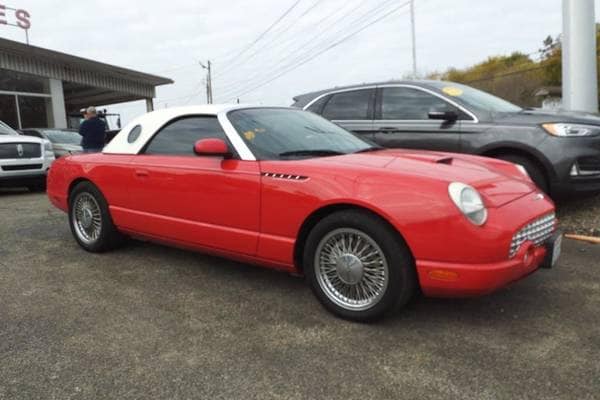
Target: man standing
[{"x": 93, "y": 132}]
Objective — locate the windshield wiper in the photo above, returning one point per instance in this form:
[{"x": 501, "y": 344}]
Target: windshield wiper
[
  {"x": 317, "y": 152},
  {"x": 369, "y": 149}
]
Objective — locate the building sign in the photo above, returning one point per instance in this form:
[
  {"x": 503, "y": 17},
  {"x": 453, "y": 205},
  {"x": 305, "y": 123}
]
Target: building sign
[{"x": 15, "y": 17}]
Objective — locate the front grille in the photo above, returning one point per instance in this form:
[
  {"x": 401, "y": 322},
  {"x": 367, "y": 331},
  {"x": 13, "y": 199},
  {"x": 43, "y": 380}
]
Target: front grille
[
  {"x": 589, "y": 164},
  {"x": 21, "y": 167},
  {"x": 20, "y": 150},
  {"x": 537, "y": 232}
]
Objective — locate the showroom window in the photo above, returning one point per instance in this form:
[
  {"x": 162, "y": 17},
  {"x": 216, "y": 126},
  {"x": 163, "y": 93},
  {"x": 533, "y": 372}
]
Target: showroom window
[{"x": 25, "y": 100}]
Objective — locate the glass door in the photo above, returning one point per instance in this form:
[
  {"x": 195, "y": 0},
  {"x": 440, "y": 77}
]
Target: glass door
[{"x": 9, "y": 114}]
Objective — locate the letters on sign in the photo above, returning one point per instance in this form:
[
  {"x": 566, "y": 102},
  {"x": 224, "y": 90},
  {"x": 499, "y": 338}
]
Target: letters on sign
[{"x": 15, "y": 17}]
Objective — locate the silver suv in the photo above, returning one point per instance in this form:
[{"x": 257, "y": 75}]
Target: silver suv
[{"x": 24, "y": 160}]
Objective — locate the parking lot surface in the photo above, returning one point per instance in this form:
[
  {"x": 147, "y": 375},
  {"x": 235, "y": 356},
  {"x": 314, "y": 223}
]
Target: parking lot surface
[{"x": 148, "y": 321}]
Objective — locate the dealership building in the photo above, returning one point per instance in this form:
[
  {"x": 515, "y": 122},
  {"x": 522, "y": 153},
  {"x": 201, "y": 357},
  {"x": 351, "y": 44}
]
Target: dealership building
[{"x": 42, "y": 88}]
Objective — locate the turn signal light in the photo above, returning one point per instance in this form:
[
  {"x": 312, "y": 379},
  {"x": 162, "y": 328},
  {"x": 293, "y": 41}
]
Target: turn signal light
[{"x": 443, "y": 275}]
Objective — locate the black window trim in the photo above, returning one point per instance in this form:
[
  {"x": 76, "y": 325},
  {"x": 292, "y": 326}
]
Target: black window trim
[
  {"x": 379, "y": 103},
  {"x": 233, "y": 150}
]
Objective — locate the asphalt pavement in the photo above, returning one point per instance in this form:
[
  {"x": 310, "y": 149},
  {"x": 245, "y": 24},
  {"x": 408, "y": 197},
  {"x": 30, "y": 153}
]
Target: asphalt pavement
[{"x": 148, "y": 321}]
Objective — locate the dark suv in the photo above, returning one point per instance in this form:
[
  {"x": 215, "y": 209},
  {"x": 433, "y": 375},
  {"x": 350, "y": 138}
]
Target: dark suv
[{"x": 560, "y": 151}]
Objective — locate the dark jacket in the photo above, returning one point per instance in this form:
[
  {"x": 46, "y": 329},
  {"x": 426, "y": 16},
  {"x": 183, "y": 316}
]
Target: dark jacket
[{"x": 93, "y": 132}]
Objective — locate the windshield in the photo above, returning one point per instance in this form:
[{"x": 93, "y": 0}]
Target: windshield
[
  {"x": 282, "y": 134},
  {"x": 64, "y": 137},
  {"x": 471, "y": 97},
  {"x": 6, "y": 130}
]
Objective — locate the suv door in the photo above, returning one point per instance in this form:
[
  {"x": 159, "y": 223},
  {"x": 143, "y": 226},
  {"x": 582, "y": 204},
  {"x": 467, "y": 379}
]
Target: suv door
[
  {"x": 352, "y": 110},
  {"x": 402, "y": 120}
]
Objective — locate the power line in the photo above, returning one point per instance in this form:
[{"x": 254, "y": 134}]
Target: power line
[
  {"x": 293, "y": 56},
  {"x": 333, "y": 45},
  {"x": 265, "y": 32},
  {"x": 290, "y": 45},
  {"x": 522, "y": 71},
  {"x": 273, "y": 42}
]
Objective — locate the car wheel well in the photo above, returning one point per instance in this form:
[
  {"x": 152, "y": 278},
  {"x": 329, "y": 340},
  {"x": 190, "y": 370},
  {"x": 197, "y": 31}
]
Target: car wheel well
[
  {"x": 506, "y": 151},
  {"x": 311, "y": 221},
  {"x": 77, "y": 182}
]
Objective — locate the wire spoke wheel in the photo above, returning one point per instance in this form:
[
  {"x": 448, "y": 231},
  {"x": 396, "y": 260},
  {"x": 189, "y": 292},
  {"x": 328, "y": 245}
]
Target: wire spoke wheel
[
  {"x": 351, "y": 269},
  {"x": 87, "y": 217}
]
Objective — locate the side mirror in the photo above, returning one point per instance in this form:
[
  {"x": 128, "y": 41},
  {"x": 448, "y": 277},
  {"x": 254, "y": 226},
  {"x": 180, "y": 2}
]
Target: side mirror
[
  {"x": 212, "y": 147},
  {"x": 443, "y": 115}
]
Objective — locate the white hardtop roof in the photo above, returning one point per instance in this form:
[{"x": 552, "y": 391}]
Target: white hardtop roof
[{"x": 153, "y": 121}]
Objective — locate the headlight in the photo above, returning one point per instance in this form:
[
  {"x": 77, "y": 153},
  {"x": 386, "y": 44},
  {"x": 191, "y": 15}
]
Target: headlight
[
  {"x": 571, "y": 130},
  {"x": 469, "y": 202},
  {"x": 47, "y": 146}
]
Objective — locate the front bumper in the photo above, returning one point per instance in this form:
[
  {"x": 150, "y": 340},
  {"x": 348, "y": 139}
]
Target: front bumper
[
  {"x": 13, "y": 172},
  {"x": 438, "y": 279},
  {"x": 576, "y": 163}
]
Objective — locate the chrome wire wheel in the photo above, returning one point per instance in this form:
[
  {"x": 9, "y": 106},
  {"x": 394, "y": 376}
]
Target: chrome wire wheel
[
  {"x": 351, "y": 269},
  {"x": 87, "y": 218}
]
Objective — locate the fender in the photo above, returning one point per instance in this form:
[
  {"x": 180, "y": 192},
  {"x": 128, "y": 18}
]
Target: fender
[{"x": 520, "y": 148}]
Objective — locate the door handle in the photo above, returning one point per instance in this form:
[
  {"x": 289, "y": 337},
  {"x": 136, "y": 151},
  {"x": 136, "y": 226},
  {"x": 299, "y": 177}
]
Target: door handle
[
  {"x": 141, "y": 173},
  {"x": 388, "y": 129}
]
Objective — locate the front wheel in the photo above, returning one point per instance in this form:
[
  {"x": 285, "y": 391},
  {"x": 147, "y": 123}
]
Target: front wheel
[
  {"x": 90, "y": 220},
  {"x": 358, "y": 266}
]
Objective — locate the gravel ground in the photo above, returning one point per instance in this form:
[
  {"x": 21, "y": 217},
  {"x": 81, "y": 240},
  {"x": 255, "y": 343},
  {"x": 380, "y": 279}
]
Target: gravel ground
[
  {"x": 148, "y": 322},
  {"x": 581, "y": 216}
]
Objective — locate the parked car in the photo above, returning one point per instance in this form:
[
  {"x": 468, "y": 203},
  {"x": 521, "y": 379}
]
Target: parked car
[
  {"x": 560, "y": 150},
  {"x": 288, "y": 189},
  {"x": 24, "y": 161},
  {"x": 64, "y": 141}
]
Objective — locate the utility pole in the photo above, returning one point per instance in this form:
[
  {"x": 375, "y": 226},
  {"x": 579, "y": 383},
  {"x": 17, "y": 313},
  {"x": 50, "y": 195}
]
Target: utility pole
[
  {"x": 414, "y": 38},
  {"x": 209, "y": 94},
  {"x": 579, "y": 64}
]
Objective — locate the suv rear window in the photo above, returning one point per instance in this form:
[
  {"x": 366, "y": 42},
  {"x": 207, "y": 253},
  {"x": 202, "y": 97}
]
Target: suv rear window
[{"x": 352, "y": 105}]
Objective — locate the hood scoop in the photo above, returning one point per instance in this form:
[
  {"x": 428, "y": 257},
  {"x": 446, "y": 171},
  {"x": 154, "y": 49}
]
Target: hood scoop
[{"x": 445, "y": 160}]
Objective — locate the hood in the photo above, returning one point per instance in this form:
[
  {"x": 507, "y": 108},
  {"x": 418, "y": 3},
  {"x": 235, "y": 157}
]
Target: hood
[
  {"x": 497, "y": 186},
  {"x": 537, "y": 117},
  {"x": 20, "y": 139}
]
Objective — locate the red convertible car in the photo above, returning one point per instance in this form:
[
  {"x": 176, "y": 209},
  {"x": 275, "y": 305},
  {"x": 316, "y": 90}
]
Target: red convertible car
[{"x": 286, "y": 189}]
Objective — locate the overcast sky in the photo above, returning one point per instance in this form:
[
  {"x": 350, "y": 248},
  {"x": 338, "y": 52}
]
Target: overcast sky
[{"x": 168, "y": 38}]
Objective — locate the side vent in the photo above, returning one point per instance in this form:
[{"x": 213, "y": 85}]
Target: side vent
[{"x": 284, "y": 176}]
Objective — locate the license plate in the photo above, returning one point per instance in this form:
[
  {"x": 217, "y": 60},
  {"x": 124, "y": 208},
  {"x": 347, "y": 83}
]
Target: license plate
[{"x": 556, "y": 250}]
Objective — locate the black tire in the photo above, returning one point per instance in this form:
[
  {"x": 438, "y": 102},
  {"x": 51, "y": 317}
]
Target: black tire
[
  {"x": 108, "y": 237},
  {"x": 401, "y": 274},
  {"x": 535, "y": 172}
]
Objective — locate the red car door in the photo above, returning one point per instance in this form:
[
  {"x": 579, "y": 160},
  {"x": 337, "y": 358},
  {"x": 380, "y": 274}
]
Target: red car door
[{"x": 197, "y": 200}]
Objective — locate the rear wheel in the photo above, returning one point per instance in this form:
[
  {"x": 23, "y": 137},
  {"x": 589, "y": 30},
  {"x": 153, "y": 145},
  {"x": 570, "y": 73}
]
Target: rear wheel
[
  {"x": 535, "y": 172},
  {"x": 358, "y": 266},
  {"x": 90, "y": 220}
]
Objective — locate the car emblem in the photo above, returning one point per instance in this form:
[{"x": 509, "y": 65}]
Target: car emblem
[
  {"x": 539, "y": 196},
  {"x": 20, "y": 150}
]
